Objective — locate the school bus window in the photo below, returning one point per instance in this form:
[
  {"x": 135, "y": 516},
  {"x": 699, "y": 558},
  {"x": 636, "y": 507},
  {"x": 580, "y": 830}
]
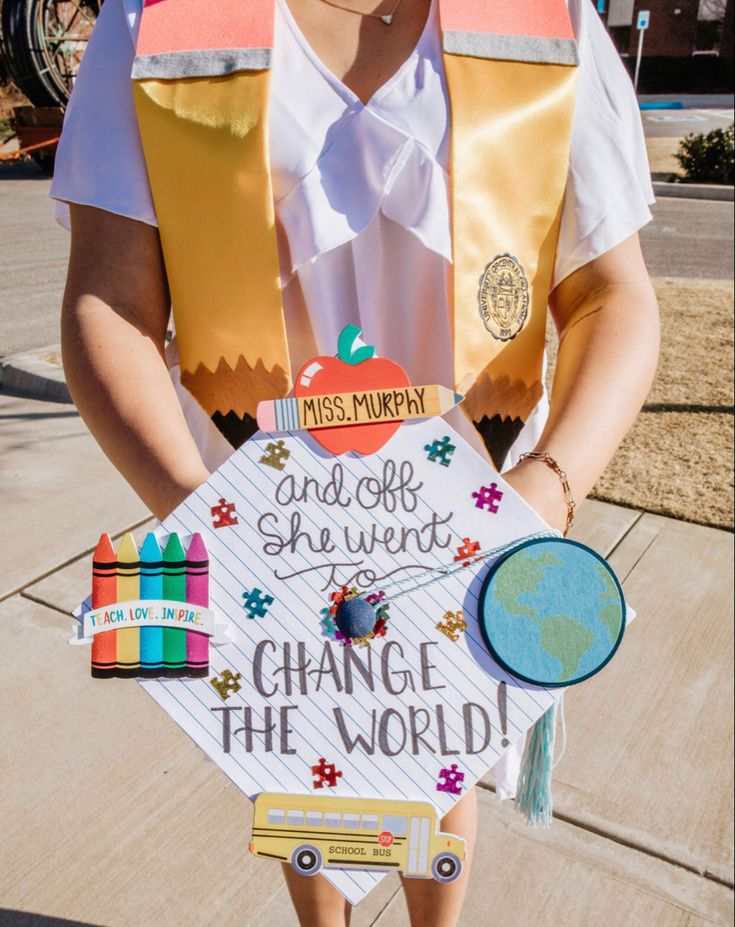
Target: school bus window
[
  {"x": 295, "y": 817},
  {"x": 313, "y": 819},
  {"x": 351, "y": 821},
  {"x": 397, "y": 825},
  {"x": 332, "y": 820},
  {"x": 276, "y": 816},
  {"x": 369, "y": 822}
]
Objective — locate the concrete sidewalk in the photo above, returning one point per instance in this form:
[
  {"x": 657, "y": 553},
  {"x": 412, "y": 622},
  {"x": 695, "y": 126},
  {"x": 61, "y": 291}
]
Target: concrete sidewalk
[{"x": 112, "y": 817}]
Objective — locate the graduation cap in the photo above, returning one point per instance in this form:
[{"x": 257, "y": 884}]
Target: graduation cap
[{"x": 398, "y": 617}]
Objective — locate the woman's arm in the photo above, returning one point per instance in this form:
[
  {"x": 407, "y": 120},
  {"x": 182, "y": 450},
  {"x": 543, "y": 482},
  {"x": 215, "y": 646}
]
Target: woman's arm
[
  {"x": 607, "y": 318},
  {"x": 113, "y": 328}
]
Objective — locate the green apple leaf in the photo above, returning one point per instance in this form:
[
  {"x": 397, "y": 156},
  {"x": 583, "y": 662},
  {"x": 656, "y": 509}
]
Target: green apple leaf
[{"x": 351, "y": 349}]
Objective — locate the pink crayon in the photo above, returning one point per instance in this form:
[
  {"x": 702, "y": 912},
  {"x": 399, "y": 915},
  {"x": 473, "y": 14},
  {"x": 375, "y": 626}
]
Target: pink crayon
[{"x": 197, "y": 593}]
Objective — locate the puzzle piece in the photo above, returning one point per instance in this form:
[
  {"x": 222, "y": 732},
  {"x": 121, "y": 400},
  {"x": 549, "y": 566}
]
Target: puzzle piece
[
  {"x": 256, "y": 603},
  {"x": 488, "y": 498},
  {"x": 453, "y": 780},
  {"x": 441, "y": 451},
  {"x": 453, "y": 625},
  {"x": 326, "y": 774},
  {"x": 227, "y": 684},
  {"x": 468, "y": 549},
  {"x": 224, "y": 514},
  {"x": 276, "y": 454}
]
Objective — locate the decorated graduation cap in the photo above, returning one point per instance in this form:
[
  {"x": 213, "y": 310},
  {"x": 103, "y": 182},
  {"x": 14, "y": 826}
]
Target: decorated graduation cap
[{"x": 397, "y": 618}]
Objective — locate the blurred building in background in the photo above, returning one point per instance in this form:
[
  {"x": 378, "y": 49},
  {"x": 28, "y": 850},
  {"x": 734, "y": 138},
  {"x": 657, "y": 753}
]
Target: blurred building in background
[{"x": 688, "y": 46}]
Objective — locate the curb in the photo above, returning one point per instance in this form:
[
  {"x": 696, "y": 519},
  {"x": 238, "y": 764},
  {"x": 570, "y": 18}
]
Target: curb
[
  {"x": 694, "y": 191},
  {"x": 31, "y": 376}
]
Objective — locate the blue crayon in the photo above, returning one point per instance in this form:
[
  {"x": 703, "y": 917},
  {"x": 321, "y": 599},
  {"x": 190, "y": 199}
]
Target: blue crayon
[{"x": 151, "y": 587}]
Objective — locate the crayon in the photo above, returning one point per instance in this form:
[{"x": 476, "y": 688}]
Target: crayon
[
  {"x": 104, "y": 592},
  {"x": 151, "y": 587},
  {"x": 174, "y": 589},
  {"x": 128, "y": 590},
  {"x": 197, "y": 593},
  {"x": 364, "y": 407}
]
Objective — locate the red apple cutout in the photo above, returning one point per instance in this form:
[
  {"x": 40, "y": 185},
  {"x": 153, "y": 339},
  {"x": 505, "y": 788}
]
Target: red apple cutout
[{"x": 355, "y": 368}]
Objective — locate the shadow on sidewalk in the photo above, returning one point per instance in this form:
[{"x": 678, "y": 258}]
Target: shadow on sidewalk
[{"x": 10, "y": 918}]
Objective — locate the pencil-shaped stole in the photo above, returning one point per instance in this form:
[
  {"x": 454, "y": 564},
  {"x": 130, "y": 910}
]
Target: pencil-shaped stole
[
  {"x": 151, "y": 587},
  {"x": 128, "y": 590},
  {"x": 197, "y": 593},
  {"x": 174, "y": 589},
  {"x": 104, "y": 592}
]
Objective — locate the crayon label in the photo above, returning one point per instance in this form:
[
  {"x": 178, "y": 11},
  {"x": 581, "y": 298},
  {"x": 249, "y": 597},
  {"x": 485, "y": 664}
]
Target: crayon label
[{"x": 157, "y": 613}]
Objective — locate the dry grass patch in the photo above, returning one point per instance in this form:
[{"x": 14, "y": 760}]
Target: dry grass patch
[
  {"x": 677, "y": 464},
  {"x": 661, "y": 158},
  {"x": 695, "y": 366},
  {"x": 679, "y": 461}
]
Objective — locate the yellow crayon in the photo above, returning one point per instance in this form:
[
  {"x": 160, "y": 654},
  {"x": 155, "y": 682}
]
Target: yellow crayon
[{"x": 128, "y": 590}]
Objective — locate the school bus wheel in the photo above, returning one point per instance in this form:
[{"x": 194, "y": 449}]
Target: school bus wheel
[
  {"x": 306, "y": 860},
  {"x": 446, "y": 867}
]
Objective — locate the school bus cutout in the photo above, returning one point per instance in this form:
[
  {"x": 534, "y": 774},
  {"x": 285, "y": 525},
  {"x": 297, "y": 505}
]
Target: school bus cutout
[{"x": 326, "y": 832}]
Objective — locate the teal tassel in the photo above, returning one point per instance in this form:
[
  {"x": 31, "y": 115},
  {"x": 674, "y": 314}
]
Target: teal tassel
[{"x": 533, "y": 797}]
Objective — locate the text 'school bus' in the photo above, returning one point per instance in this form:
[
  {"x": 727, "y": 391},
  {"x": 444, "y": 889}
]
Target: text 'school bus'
[{"x": 314, "y": 832}]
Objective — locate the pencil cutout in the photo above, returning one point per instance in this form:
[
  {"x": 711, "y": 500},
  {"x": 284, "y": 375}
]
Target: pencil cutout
[
  {"x": 365, "y": 407},
  {"x": 197, "y": 593},
  {"x": 174, "y": 590},
  {"x": 151, "y": 587},
  {"x": 128, "y": 590},
  {"x": 104, "y": 592}
]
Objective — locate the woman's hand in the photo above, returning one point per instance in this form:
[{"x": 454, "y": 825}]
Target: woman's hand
[{"x": 541, "y": 488}]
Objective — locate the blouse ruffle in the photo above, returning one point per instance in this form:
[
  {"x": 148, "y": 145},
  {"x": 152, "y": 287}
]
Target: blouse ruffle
[{"x": 372, "y": 167}]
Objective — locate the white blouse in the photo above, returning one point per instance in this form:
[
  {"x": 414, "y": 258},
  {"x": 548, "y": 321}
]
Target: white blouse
[{"x": 361, "y": 195}]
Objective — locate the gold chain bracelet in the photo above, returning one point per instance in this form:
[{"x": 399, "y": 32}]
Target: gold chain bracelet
[{"x": 553, "y": 465}]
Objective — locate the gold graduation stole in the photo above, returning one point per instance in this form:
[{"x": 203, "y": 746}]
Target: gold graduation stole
[{"x": 200, "y": 84}]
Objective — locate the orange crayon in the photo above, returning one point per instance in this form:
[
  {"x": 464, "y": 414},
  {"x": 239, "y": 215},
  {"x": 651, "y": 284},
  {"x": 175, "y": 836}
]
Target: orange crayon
[{"x": 104, "y": 592}]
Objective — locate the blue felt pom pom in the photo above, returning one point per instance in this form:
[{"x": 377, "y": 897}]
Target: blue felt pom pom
[{"x": 355, "y": 618}]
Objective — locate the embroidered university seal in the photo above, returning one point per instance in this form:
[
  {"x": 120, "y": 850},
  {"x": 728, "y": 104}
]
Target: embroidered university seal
[{"x": 503, "y": 297}]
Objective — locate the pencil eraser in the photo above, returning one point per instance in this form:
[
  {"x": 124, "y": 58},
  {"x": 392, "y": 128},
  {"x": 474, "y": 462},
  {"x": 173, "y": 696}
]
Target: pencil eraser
[{"x": 265, "y": 415}]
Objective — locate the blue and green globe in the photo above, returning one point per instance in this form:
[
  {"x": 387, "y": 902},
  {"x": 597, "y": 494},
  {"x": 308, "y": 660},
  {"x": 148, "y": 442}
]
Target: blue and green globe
[{"x": 552, "y": 612}]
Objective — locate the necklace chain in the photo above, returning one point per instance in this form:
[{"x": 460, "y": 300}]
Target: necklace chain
[{"x": 386, "y": 18}]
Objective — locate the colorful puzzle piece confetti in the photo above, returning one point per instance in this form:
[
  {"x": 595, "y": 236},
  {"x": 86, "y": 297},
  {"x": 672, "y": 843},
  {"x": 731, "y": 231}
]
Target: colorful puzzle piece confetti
[
  {"x": 452, "y": 625},
  {"x": 276, "y": 455},
  {"x": 453, "y": 780},
  {"x": 223, "y": 514},
  {"x": 441, "y": 451},
  {"x": 256, "y": 603},
  {"x": 326, "y": 774},
  {"x": 488, "y": 498},
  {"x": 467, "y": 550},
  {"x": 227, "y": 684}
]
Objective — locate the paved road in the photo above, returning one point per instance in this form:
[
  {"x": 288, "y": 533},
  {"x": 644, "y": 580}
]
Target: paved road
[
  {"x": 32, "y": 261},
  {"x": 678, "y": 123},
  {"x": 688, "y": 238}
]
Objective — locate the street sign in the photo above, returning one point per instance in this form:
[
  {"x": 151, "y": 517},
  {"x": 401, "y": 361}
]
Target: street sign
[{"x": 644, "y": 18}]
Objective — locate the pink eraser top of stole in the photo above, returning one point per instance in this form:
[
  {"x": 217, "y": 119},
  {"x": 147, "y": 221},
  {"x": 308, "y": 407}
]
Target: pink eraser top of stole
[
  {"x": 192, "y": 25},
  {"x": 197, "y": 583},
  {"x": 265, "y": 415},
  {"x": 546, "y": 18}
]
